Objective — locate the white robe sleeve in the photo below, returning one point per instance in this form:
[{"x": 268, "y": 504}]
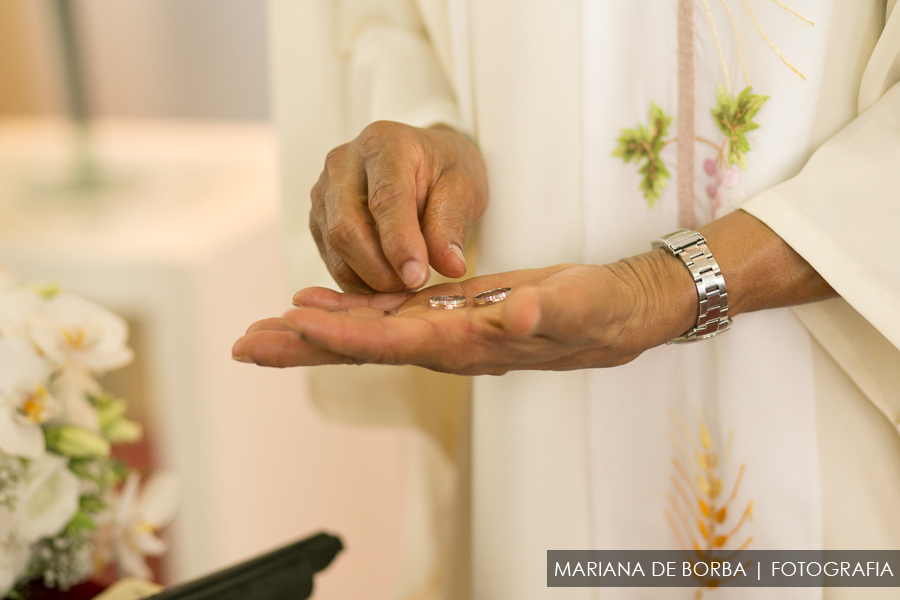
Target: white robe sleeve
[
  {"x": 842, "y": 214},
  {"x": 337, "y": 65},
  {"x": 393, "y": 69}
]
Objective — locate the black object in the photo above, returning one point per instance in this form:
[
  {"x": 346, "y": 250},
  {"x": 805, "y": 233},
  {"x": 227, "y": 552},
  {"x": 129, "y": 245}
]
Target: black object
[{"x": 285, "y": 574}]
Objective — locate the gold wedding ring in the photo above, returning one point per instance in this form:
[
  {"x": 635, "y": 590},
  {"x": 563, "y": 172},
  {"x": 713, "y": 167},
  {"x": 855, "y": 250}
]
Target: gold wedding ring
[
  {"x": 492, "y": 296},
  {"x": 447, "y": 302}
]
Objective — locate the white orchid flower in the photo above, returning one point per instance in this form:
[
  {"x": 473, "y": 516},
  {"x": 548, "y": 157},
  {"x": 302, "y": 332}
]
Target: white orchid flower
[
  {"x": 14, "y": 552},
  {"x": 14, "y": 555},
  {"x": 71, "y": 387},
  {"x": 138, "y": 517},
  {"x": 20, "y": 311},
  {"x": 48, "y": 500},
  {"x": 25, "y": 402},
  {"x": 78, "y": 332}
]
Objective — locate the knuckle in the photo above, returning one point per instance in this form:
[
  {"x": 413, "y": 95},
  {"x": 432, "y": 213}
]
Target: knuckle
[
  {"x": 379, "y": 129},
  {"x": 346, "y": 277},
  {"x": 383, "y": 196},
  {"x": 341, "y": 271},
  {"x": 387, "y": 142},
  {"x": 314, "y": 228},
  {"x": 341, "y": 235},
  {"x": 335, "y": 160},
  {"x": 317, "y": 195},
  {"x": 321, "y": 246}
]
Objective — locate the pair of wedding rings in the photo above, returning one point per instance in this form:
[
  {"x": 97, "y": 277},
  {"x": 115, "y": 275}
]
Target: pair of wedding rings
[{"x": 483, "y": 299}]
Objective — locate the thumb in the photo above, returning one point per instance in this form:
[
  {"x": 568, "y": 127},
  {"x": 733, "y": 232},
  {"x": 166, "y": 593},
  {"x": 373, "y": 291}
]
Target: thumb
[
  {"x": 451, "y": 211},
  {"x": 561, "y": 311}
]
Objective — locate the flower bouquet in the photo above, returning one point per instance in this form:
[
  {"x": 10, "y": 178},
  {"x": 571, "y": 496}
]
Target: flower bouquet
[{"x": 67, "y": 509}]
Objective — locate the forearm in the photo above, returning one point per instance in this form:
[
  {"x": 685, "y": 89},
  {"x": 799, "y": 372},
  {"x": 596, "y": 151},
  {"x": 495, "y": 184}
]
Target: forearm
[
  {"x": 760, "y": 270},
  {"x": 558, "y": 318}
]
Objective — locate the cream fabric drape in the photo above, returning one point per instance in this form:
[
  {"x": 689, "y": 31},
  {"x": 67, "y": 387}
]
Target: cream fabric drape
[
  {"x": 840, "y": 214},
  {"x": 753, "y": 388},
  {"x": 530, "y": 480}
]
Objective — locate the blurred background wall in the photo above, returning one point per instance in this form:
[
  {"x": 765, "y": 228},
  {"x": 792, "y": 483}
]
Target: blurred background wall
[{"x": 163, "y": 58}]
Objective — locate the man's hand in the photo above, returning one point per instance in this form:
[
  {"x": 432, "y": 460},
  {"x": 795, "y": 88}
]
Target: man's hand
[
  {"x": 393, "y": 201},
  {"x": 558, "y": 318}
]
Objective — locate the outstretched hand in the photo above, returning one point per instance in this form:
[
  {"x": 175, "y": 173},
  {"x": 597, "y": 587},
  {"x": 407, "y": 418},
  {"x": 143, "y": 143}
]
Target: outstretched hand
[{"x": 559, "y": 318}]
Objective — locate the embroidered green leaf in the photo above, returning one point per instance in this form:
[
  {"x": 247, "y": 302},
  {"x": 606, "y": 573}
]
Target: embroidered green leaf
[
  {"x": 645, "y": 144},
  {"x": 734, "y": 116}
]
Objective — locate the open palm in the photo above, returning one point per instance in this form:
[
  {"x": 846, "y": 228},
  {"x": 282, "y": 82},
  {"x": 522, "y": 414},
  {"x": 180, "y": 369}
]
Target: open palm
[{"x": 561, "y": 317}]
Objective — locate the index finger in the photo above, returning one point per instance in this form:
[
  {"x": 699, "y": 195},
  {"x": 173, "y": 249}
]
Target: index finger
[
  {"x": 463, "y": 341},
  {"x": 327, "y": 299},
  {"x": 396, "y": 192}
]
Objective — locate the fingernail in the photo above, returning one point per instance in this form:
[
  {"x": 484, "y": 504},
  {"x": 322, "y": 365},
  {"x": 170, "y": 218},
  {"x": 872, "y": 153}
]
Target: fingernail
[
  {"x": 413, "y": 273},
  {"x": 458, "y": 251},
  {"x": 244, "y": 359}
]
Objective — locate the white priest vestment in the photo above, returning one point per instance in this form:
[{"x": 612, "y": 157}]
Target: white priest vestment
[{"x": 808, "y": 399}]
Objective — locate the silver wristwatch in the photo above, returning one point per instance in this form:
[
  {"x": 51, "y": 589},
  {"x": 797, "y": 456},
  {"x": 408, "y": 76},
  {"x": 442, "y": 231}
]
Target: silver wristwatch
[{"x": 712, "y": 317}]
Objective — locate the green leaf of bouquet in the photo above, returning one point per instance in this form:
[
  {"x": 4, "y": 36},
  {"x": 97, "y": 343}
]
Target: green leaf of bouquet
[
  {"x": 45, "y": 289},
  {"x": 85, "y": 468},
  {"x": 123, "y": 431},
  {"x": 91, "y": 504},
  {"x": 118, "y": 471},
  {"x": 80, "y": 522},
  {"x": 14, "y": 595},
  {"x": 75, "y": 442},
  {"x": 110, "y": 410},
  {"x": 103, "y": 399}
]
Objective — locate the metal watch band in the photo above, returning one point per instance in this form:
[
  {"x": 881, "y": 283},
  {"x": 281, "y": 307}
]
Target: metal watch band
[{"x": 712, "y": 318}]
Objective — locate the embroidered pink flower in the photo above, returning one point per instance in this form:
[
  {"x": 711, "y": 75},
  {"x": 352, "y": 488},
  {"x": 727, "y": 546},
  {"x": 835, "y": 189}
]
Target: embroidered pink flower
[
  {"x": 731, "y": 177},
  {"x": 723, "y": 178}
]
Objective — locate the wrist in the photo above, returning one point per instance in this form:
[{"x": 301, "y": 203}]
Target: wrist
[
  {"x": 664, "y": 298},
  {"x": 761, "y": 269}
]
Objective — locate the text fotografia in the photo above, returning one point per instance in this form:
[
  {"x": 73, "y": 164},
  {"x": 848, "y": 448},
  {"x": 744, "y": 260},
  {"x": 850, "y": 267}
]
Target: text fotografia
[
  {"x": 724, "y": 569},
  {"x": 748, "y": 568}
]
